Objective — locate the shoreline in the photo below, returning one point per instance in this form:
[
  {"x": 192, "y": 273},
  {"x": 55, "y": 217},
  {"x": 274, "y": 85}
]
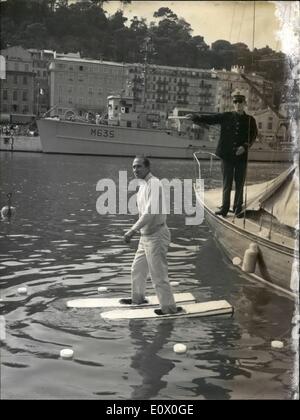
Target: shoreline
[{"x": 20, "y": 144}]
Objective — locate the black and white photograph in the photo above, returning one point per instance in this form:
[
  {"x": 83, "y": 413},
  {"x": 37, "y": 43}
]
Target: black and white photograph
[{"x": 149, "y": 202}]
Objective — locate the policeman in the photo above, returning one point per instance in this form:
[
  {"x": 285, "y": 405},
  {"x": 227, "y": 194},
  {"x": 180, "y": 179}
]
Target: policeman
[{"x": 238, "y": 133}]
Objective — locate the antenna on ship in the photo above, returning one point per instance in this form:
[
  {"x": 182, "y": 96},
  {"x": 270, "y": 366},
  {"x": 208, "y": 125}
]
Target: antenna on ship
[{"x": 147, "y": 49}]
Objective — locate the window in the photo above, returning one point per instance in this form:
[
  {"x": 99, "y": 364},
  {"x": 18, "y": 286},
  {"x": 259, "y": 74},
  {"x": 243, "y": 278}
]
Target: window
[
  {"x": 25, "y": 109},
  {"x": 270, "y": 126},
  {"x": 260, "y": 125},
  {"x": 25, "y": 95},
  {"x": 81, "y": 68},
  {"x": 5, "y": 97},
  {"x": 26, "y": 67},
  {"x": 15, "y": 95},
  {"x": 38, "y": 73},
  {"x": 24, "y": 80},
  {"x": 4, "y": 108},
  {"x": 44, "y": 73},
  {"x": 16, "y": 66},
  {"x": 14, "y": 108}
]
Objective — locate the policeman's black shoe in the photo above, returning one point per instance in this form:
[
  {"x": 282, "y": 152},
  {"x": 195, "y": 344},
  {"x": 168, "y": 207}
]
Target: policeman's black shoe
[
  {"x": 220, "y": 213},
  {"x": 239, "y": 214},
  {"x": 159, "y": 311}
]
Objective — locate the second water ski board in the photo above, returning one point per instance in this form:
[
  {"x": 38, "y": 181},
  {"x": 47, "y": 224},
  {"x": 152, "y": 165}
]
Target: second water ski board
[{"x": 199, "y": 309}]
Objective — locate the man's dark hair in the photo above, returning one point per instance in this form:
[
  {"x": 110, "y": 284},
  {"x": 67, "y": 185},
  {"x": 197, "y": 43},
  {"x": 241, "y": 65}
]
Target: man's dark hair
[{"x": 146, "y": 161}]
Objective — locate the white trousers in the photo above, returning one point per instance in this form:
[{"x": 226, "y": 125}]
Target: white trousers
[{"x": 151, "y": 258}]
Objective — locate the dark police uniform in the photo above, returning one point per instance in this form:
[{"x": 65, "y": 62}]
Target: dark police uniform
[{"x": 236, "y": 130}]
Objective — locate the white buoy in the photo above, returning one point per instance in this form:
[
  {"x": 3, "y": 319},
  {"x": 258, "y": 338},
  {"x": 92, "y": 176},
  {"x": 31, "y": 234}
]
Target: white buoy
[
  {"x": 276, "y": 344},
  {"x": 236, "y": 261},
  {"x": 180, "y": 348},
  {"x": 66, "y": 353},
  {"x": 22, "y": 290},
  {"x": 174, "y": 283},
  {"x": 250, "y": 258},
  {"x": 102, "y": 289},
  {"x": 7, "y": 212}
]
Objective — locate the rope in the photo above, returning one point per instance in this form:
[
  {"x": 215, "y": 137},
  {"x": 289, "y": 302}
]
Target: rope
[
  {"x": 248, "y": 137},
  {"x": 242, "y": 20},
  {"x": 232, "y": 19}
]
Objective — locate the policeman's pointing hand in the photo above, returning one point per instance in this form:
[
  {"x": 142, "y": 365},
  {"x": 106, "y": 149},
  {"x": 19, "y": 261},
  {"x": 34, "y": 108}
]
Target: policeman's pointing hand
[{"x": 189, "y": 116}]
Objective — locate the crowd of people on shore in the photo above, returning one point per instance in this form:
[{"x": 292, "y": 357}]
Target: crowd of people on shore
[{"x": 9, "y": 130}]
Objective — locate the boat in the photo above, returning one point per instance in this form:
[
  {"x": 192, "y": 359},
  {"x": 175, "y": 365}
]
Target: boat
[
  {"x": 267, "y": 233},
  {"x": 126, "y": 132}
]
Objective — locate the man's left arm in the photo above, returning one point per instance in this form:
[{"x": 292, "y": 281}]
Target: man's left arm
[
  {"x": 252, "y": 134},
  {"x": 151, "y": 209}
]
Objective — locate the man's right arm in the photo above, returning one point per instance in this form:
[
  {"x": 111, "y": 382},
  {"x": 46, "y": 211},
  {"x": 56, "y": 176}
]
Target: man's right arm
[{"x": 206, "y": 119}]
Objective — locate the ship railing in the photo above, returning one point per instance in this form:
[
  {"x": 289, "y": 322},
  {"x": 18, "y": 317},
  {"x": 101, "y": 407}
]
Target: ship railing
[
  {"x": 201, "y": 152},
  {"x": 49, "y": 110}
]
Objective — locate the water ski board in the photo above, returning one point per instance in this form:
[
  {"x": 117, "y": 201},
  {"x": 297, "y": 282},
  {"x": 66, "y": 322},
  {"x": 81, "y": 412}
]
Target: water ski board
[
  {"x": 216, "y": 307},
  {"x": 115, "y": 302}
]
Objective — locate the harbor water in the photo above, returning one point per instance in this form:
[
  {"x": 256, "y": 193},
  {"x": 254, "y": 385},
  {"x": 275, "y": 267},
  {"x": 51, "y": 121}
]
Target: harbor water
[{"x": 60, "y": 248}]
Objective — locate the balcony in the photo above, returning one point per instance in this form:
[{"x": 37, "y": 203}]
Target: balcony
[
  {"x": 162, "y": 82},
  {"x": 184, "y": 84},
  {"x": 182, "y": 102},
  {"x": 161, "y": 91}
]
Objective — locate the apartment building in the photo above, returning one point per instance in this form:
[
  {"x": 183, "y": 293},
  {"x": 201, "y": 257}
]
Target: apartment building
[
  {"x": 38, "y": 80},
  {"x": 163, "y": 88},
  {"x": 81, "y": 85},
  {"x": 17, "y": 89}
]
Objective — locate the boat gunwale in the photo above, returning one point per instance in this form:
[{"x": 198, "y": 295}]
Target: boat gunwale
[{"x": 288, "y": 250}]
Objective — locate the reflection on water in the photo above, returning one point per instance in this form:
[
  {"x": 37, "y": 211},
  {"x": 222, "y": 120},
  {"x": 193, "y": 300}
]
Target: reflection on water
[
  {"x": 60, "y": 248},
  {"x": 146, "y": 361}
]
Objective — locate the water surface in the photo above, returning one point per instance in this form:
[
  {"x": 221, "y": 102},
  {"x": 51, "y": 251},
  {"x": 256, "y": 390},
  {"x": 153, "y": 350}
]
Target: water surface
[{"x": 61, "y": 248}]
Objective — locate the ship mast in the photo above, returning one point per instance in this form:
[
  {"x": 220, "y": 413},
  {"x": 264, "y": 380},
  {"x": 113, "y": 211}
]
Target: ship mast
[{"x": 146, "y": 49}]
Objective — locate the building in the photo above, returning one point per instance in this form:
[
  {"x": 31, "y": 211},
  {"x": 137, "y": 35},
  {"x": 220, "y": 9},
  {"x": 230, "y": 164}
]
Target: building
[
  {"x": 17, "y": 89},
  {"x": 82, "y": 86},
  {"x": 162, "y": 88},
  {"x": 229, "y": 81}
]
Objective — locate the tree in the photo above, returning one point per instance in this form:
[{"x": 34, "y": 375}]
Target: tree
[
  {"x": 221, "y": 45},
  {"x": 166, "y": 13}
]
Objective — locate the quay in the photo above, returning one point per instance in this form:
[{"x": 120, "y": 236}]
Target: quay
[{"x": 20, "y": 143}]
